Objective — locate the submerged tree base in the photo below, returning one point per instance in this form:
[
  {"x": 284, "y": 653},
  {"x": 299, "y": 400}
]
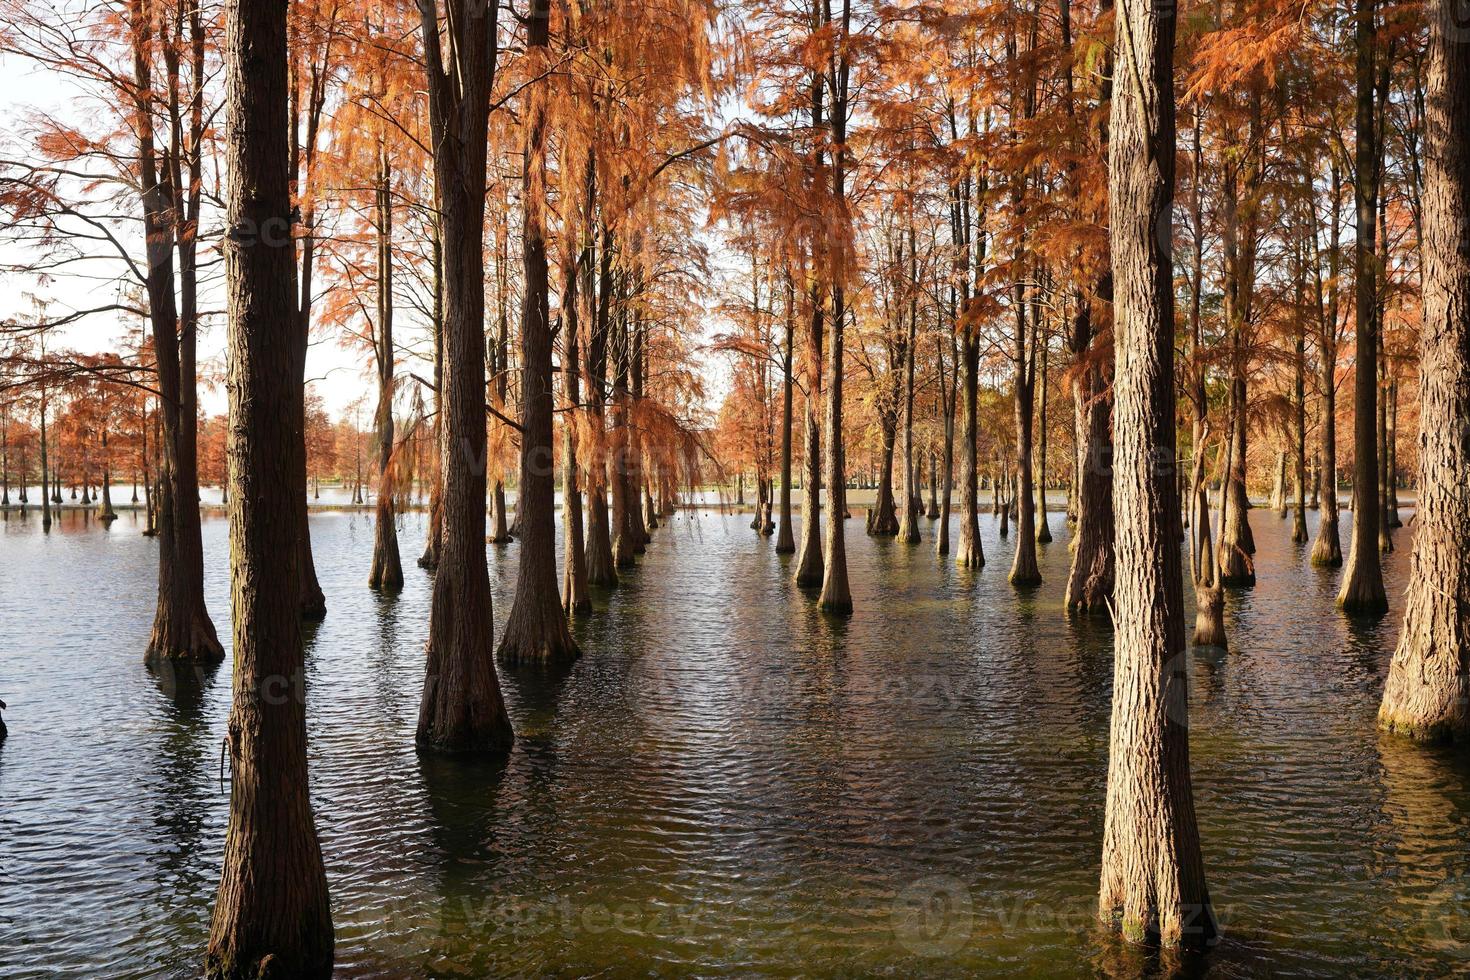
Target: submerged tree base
[{"x": 186, "y": 639}]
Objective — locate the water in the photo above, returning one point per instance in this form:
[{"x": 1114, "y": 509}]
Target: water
[{"x": 727, "y": 782}]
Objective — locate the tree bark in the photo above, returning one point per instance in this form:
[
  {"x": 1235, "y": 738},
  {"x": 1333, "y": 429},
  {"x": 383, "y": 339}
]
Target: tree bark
[
  {"x": 536, "y": 631},
  {"x": 1327, "y": 548},
  {"x": 1362, "y": 582},
  {"x": 785, "y": 539},
  {"x": 809, "y": 568},
  {"x": 461, "y": 710},
  {"x": 386, "y": 573},
  {"x": 271, "y": 914},
  {"x": 971, "y": 552},
  {"x": 1428, "y": 692},
  {"x": 1152, "y": 882}
]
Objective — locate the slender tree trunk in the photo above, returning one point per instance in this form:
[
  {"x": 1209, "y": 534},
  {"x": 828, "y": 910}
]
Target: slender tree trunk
[
  {"x": 271, "y": 913},
  {"x": 45, "y": 474},
  {"x": 1043, "y": 526},
  {"x": 908, "y": 528},
  {"x": 461, "y": 710},
  {"x": 971, "y": 553},
  {"x": 601, "y": 570},
  {"x": 387, "y": 569},
  {"x": 785, "y": 539},
  {"x": 809, "y": 569},
  {"x": 1299, "y": 442},
  {"x": 1428, "y": 691},
  {"x": 536, "y": 630},
  {"x": 1362, "y": 582},
  {"x": 1153, "y": 882},
  {"x": 435, "y": 524},
  {"x": 951, "y": 391},
  {"x": 1327, "y": 548}
]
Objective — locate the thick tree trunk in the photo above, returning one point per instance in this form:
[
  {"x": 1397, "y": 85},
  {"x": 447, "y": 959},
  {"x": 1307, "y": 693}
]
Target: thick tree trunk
[
  {"x": 271, "y": 914},
  {"x": 386, "y": 573},
  {"x": 536, "y": 631},
  {"x": 1362, "y": 582},
  {"x": 461, "y": 710},
  {"x": 1153, "y": 883},
  {"x": 1428, "y": 691}
]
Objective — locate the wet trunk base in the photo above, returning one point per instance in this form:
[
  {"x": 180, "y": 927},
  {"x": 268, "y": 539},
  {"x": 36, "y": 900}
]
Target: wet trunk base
[
  {"x": 1209, "y": 617},
  {"x": 536, "y": 636},
  {"x": 185, "y": 636},
  {"x": 1327, "y": 549}
]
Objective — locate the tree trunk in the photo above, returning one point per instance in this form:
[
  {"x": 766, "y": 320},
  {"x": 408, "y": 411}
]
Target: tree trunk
[
  {"x": 271, "y": 914},
  {"x": 785, "y": 539},
  {"x": 836, "y": 597},
  {"x": 971, "y": 553},
  {"x": 601, "y": 569},
  {"x": 387, "y": 569},
  {"x": 1236, "y": 545},
  {"x": 1362, "y": 582},
  {"x": 435, "y": 530},
  {"x": 461, "y": 709},
  {"x": 908, "y": 527},
  {"x": 536, "y": 631},
  {"x": 1428, "y": 691},
  {"x": 1153, "y": 883},
  {"x": 884, "y": 519},
  {"x": 1299, "y": 442},
  {"x": 1091, "y": 579},
  {"x": 809, "y": 569},
  {"x": 1327, "y": 548}
]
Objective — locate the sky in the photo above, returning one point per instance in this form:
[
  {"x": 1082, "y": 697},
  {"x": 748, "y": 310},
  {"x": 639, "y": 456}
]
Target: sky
[{"x": 338, "y": 374}]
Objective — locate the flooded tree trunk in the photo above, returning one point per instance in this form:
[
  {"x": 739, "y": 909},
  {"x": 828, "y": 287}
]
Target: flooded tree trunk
[
  {"x": 461, "y": 710},
  {"x": 971, "y": 552},
  {"x": 1299, "y": 440},
  {"x": 884, "y": 519},
  {"x": 1362, "y": 581},
  {"x": 908, "y": 527},
  {"x": 499, "y": 356},
  {"x": 386, "y": 573},
  {"x": 1327, "y": 548},
  {"x": 1428, "y": 692},
  {"x": 836, "y": 596},
  {"x": 809, "y": 568},
  {"x": 536, "y": 630},
  {"x": 1024, "y": 570},
  {"x": 46, "y": 485},
  {"x": 1152, "y": 881},
  {"x": 575, "y": 598},
  {"x": 1392, "y": 467},
  {"x": 435, "y": 531},
  {"x": 106, "y": 513},
  {"x": 182, "y": 629},
  {"x": 1090, "y": 581},
  {"x": 1043, "y": 525},
  {"x": 1237, "y": 568},
  {"x": 600, "y": 567},
  {"x": 271, "y": 914},
  {"x": 785, "y": 539},
  {"x": 949, "y": 391}
]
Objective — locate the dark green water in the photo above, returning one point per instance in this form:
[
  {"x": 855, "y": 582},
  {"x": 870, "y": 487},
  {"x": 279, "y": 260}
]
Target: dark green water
[{"x": 727, "y": 783}]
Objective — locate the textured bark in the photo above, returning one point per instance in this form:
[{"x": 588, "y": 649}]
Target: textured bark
[
  {"x": 883, "y": 519},
  {"x": 949, "y": 391},
  {"x": 1091, "y": 579},
  {"x": 836, "y": 596},
  {"x": 1299, "y": 441},
  {"x": 971, "y": 553},
  {"x": 600, "y": 567},
  {"x": 1362, "y": 581},
  {"x": 1428, "y": 691},
  {"x": 575, "y": 598},
  {"x": 1024, "y": 570},
  {"x": 1152, "y": 881},
  {"x": 809, "y": 568},
  {"x": 435, "y": 532},
  {"x": 271, "y": 914},
  {"x": 182, "y": 629},
  {"x": 908, "y": 525},
  {"x": 536, "y": 631},
  {"x": 1327, "y": 548},
  {"x": 1237, "y": 568},
  {"x": 785, "y": 539},
  {"x": 461, "y": 710},
  {"x": 386, "y": 573}
]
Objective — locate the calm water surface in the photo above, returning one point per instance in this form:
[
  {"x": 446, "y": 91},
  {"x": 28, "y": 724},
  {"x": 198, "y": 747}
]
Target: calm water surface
[{"x": 727, "y": 782}]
